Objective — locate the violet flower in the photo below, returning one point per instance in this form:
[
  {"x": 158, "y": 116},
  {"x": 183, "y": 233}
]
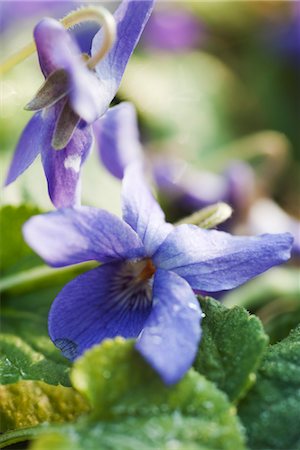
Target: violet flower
[
  {"x": 11, "y": 14},
  {"x": 72, "y": 98},
  {"x": 145, "y": 287},
  {"x": 173, "y": 30}
]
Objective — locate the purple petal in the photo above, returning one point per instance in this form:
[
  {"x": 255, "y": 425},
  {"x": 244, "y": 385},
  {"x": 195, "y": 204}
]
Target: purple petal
[
  {"x": 57, "y": 50},
  {"x": 131, "y": 18},
  {"x": 170, "y": 338},
  {"x": 141, "y": 211},
  {"x": 240, "y": 185},
  {"x": 118, "y": 138},
  {"x": 29, "y": 146},
  {"x": 62, "y": 167},
  {"x": 86, "y": 93},
  {"x": 89, "y": 309},
  {"x": 84, "y": 35},
  {"x": 70, "y": 236},
  {"x": 215, "y": 261},
  {"x": 55, "y": 46}
]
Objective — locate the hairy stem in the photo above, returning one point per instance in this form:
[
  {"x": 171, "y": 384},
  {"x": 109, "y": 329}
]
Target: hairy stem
[{"x": 96, "y": 14}]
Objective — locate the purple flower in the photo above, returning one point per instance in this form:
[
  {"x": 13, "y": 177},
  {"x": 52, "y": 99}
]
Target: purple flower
[
  {"x": 284, "y": 37},
  {"x": 12, "y": 13},
  {"x": 173, "y": 30},
  {"x": 145, "y": 287},
  {"x": 117, "y": 136},
  {"x": 72, "y": 98}
]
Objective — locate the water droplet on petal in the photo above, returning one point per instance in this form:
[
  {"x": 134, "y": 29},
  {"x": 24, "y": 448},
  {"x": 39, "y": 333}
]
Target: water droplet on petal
[{"x": 192, "y": 306}]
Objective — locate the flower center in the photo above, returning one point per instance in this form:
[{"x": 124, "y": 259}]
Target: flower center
[
  {"x": 148, "y": 270},
  {"x": 132, "y": 284}
]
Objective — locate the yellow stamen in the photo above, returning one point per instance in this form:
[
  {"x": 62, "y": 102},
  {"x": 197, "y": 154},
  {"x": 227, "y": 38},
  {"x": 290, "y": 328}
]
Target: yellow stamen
[{"x": 90, "y": 13}]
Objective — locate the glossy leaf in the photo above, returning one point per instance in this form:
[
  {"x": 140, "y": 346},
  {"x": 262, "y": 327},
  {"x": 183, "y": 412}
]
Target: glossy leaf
[{"x": 132, "y": 408}]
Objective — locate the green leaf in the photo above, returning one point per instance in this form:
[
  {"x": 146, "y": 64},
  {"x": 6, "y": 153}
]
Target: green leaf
[
  {"x": 163, "y": 432},
  {"x": 14, "y": 252},
  {"x": 132, "y": 408},
  {"x": 270, "y": 411},
  {"x": 26, "y": 352},
  {"x": 232, "y": 345},
  {"x": 29, "y": 403}
]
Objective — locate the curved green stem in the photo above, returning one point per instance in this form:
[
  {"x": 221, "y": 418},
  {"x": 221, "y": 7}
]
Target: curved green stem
[
  {"x": 41, "y": 274},
  {"x": 24, "y": 434},
  {"x": 90, "y": 13}
]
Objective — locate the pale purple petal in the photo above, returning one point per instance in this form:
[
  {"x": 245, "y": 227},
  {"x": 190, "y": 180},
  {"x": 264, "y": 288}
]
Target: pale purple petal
[
  {"x": 117, "y": 136},
  {"x": 131, "y": 18},
  {"x": 141, "y": 211},
  {"x": 57, "y": 50},
  {"x": 55, "y": 46},
  {"x": 89, "y": 309},
  {"x": 29, "y": 146},
  {"x": 85, "y": 94},
  {"x": 62, "y": 167},
  {"x": 215, "y": 261},
  {"x": 70, "y": 236},
  {"x": 169, "y": 340}
]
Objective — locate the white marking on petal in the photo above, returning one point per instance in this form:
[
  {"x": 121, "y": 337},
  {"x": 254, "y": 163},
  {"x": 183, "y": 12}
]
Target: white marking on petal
[{"x": 73, "y": 162}]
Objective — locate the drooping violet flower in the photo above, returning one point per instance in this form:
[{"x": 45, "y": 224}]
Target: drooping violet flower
[
  {"x": 72, "y": 98},
  {"x": 145, "y": 287}
]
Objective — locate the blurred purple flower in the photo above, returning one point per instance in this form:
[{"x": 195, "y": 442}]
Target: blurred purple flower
[
  {"x": 284, "y": 37},
  {"x": 173, "y": 30},
  {"x": 72, "y": 98},
  {"x": 193, "y": 189},
  {"x": 145, "y": 287},
  {"x": 12, "y": 12}
]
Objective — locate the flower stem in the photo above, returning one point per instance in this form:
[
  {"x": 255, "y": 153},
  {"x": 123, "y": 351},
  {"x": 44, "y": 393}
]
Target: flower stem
[
  {"x": 96, "y": 14},
  {"x": 41, "y": 274},
  {"x": 23, "y": 434}
]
